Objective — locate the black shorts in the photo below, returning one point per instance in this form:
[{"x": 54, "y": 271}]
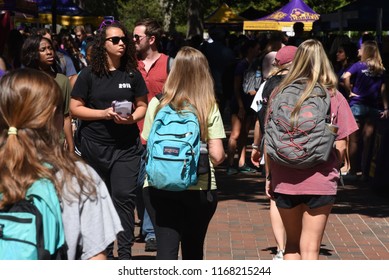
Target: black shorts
[{"x": 312, "y": 201}]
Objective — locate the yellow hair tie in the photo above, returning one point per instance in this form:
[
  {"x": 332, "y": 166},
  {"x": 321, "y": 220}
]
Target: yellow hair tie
[{"x": 12, "y": 130}]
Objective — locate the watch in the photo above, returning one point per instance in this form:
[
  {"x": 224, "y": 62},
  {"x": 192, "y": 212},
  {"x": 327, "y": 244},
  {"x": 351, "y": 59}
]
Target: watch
[{"x": 255, "y": 147}]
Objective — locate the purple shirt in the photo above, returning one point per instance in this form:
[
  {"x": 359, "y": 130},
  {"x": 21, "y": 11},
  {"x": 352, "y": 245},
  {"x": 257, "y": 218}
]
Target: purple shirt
[{"x": 366, "y": 85}]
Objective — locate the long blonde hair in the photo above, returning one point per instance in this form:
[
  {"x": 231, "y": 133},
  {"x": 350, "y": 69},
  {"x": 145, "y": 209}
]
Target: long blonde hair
[
  {"x": 190, "y": 86},
  {"x": 371, "y": 55},
  {"x": 31, "y": 101},
  {"x": 312, "y": 63}
]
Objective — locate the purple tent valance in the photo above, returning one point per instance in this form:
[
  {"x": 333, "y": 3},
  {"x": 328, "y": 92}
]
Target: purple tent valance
[
  {"x": 295, "y": 10},
  {"x": 284, "y": 18}
]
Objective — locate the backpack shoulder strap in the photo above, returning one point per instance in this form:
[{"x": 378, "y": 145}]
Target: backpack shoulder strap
[
  {"x": 169, "y": 64},
  {"x": 45, "y": 190},
  {"x": 44, "y": 196},
  {"x": 159, "y": 96}
]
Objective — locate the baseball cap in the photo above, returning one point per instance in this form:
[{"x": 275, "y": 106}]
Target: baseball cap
[{"x": 285, "y": 54}]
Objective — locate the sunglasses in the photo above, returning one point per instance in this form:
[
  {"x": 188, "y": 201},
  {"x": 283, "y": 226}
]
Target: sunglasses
[
  {"x": 138, "y": 38},
  {"x": 116, "y": 39},
  {"x": 106, "y": 22}
]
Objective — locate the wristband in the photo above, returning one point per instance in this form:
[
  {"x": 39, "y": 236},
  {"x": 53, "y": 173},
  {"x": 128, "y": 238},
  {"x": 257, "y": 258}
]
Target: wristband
[{"x": 255, "y": 147}]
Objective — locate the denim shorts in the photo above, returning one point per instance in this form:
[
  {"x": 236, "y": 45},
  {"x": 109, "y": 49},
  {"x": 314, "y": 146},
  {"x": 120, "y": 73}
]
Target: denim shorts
[
  {"x": 361, "y": 111},
  {"x": 312, "y": 201}
]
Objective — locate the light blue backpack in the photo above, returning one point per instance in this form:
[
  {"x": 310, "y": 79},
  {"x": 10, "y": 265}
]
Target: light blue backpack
[
  {"x": 32, "y": 228},
  {"x": 173, "y": 150}
]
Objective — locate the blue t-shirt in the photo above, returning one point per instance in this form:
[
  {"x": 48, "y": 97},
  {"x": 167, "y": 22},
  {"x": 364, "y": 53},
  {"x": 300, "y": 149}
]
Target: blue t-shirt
[{"x": 366, "y": 85}]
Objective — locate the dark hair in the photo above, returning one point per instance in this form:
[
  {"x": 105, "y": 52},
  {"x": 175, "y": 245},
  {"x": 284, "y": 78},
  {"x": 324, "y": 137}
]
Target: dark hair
[
  {"x": 217, "y": 33},
  {"x": 30, "y": 52},
  {"x": 351, "y": 51},
  {"x": 88, "y": 28},
  {"x": 298, "y": 27},
  {"x": 246, "y": 45},
  {"x": 14, "y": 45},
  {"x": 89, "y": 44},
  {"x": 99, "y": 61},
  {"x": 153, "y": 28},
  {"x": 42, "y": 31}
]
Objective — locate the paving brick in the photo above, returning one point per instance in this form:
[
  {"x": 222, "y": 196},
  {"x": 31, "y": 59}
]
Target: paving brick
[{"x": 357, "y": 228}]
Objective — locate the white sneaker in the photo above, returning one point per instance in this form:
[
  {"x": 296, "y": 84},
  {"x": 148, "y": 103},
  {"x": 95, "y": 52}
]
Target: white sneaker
[{"x": 279, "y": 256}]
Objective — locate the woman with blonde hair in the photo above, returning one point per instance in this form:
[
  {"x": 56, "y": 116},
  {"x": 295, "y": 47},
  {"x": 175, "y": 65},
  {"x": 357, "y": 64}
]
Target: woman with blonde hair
[
  {"x": 304, "y": 197},
  {"x": 31, "y": 120},
  {"x": 368, "y": 101},
  {"x": 183, "y": 216}
]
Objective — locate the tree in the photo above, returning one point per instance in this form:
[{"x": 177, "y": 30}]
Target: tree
[
  {"x": 324, "y": 7},
  {"x": 188, "y": 14},
  {"x": 130, "y": 11},
  {"x": 195, "y": 18}
]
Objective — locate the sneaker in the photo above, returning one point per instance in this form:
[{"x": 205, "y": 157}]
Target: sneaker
[
  {"x": 232, "y": 170},
  {"x": 279, "y": 256},
  {"x": 246, "y": 169},
  {"x": 151, "y": 245}
]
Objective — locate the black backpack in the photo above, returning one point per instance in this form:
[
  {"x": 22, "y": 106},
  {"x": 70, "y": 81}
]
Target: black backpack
[{"x": 270, "y": 84}]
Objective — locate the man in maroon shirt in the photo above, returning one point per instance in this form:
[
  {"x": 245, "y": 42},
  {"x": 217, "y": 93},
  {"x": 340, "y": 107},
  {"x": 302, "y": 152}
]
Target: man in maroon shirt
[{"x": 154, "y": 68}]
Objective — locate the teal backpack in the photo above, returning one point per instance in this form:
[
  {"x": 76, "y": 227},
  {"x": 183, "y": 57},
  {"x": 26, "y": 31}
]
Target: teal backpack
[
  {"x": 173, "y": 150},
  {"x": 32, "y": 228}
]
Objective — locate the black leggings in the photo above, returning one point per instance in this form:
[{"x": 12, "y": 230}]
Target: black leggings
[{"x": 179, "y": 216}]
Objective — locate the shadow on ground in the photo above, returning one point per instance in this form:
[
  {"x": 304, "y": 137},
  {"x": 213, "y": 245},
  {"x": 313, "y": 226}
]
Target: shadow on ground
[
  {"x": 355, "y": 197},
  {"x": 362, "y": 198}
]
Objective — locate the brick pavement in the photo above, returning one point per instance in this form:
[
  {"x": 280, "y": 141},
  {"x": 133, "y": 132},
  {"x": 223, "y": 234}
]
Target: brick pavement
[{"x": 357, "y": 229}]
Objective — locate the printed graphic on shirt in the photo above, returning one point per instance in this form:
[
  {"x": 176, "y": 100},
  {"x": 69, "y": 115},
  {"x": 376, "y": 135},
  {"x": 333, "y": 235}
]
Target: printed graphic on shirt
[{"x": 125, "y": 85}]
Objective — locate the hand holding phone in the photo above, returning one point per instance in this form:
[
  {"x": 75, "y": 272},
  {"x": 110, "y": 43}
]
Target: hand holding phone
[{"x": 123, "y": 108}]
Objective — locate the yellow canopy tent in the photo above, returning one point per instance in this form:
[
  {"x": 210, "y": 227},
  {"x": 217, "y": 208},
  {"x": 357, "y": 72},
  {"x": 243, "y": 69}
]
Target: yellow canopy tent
[
  {"x": 224, "y": 16},
  {"x": 284, "y": 18}
]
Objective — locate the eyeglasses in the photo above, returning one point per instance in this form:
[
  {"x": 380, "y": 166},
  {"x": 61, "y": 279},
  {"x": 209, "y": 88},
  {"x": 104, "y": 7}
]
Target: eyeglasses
[
  {"x": 138, "y": 38},
  {"x": 106, "y": 22},
  {"x": 116, "y": 39}
]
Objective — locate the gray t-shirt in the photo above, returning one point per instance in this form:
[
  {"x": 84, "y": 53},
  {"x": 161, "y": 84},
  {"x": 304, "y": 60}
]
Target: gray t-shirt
[{"x": 90, "y": 223}]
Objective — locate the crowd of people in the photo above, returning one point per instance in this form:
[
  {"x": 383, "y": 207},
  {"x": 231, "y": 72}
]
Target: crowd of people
[{"x": 78, "y": 74}]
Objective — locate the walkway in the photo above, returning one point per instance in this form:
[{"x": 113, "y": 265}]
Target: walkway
[{"x": 358, "y": 228}]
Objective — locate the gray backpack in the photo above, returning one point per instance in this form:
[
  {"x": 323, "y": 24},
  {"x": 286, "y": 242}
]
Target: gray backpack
[{"x": 311, "y": 140}]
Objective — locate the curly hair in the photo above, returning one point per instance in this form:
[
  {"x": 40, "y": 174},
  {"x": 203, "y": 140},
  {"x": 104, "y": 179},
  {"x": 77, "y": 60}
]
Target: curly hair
[{"x": 99, "y": 60}]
